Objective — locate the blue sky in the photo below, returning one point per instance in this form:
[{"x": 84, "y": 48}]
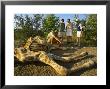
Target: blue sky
[{"x": 71, "y": 16}]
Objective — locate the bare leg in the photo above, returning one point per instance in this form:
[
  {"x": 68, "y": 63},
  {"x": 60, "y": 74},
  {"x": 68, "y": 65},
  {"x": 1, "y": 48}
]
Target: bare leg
[
  {"x": 70, "y": 38},
  {"x": 79, "y": 41},
  {"x": 67, "y": 39},
  {"x": 62, "y": 39}
]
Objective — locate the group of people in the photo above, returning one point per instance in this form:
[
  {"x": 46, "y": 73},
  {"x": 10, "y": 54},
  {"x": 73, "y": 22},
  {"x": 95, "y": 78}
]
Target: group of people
[{"x": 68, "y": 29}]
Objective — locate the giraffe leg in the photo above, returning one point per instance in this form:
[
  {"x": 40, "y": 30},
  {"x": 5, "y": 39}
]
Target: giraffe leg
[
  {"x": 76, "y": 58},
  {"x": 86, "y": 65},
  {"x": 69, "y": 59},
  {"x": 43, "y": 57}
]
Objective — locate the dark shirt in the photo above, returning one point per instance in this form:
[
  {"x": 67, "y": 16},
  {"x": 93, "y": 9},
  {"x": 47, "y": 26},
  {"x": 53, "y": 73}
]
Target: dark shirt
[
  {"x": 62, "y": 27},
  {"x": 78, "y": 28}
]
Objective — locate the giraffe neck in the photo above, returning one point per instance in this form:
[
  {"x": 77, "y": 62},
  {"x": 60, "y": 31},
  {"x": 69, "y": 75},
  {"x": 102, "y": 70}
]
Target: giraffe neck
[
  {"x": 19, "y": 55},
  {"x": 27, "y": 45}
]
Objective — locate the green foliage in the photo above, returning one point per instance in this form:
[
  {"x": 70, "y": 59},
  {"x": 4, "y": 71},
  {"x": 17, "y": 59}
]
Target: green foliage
[
  {"x": 36, "y": 24},
  {"x": 26, "y": 26},
  {"x": 90, "y": 31},
  {"x": 37, "y": 20},
  {"x": 50, "y": 22}
]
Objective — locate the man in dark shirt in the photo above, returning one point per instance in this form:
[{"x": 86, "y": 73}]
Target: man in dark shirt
[{"x": 61, "y": 30}]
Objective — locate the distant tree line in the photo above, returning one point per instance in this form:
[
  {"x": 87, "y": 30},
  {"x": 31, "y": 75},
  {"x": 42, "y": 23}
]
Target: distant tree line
[
  {"x": 26, "y": 25},
  {"x": 35, "y": 24}
]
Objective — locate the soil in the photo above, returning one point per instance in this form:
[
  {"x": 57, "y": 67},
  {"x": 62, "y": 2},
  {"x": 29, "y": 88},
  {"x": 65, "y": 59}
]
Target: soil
[{"x": 36, "y": 68}]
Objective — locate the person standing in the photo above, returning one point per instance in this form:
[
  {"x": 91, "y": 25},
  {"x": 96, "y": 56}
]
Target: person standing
[
  {"x": 69, "y": 28},
  {"x": 61, "y": 30},
  {"x": 79, "y": 33}
]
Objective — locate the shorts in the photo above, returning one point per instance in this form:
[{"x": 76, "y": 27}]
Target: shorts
[
  {"x": 69, "y": 32},
  {"x": 61, "y": 34},
  {"x": 78, "y": 33}
]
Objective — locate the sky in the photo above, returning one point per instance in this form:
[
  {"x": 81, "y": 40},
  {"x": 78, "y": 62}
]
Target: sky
[{"x": 70, "y": 16}]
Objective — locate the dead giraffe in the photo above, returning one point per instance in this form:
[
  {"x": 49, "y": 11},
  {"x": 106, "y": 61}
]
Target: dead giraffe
[{"x": 24, "y": 53}]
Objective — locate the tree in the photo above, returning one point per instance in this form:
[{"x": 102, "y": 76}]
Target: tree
[
  {"x": 37, "y": 20},
  {"x": 50, "y": 22},
  {"x": 76, "y": 20},
  {"x": 26, "y": 25},
  {"x": 19, "y": 24},
  {"x": 19, "y": 21},
  {"x": 91, "y": 29}
]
